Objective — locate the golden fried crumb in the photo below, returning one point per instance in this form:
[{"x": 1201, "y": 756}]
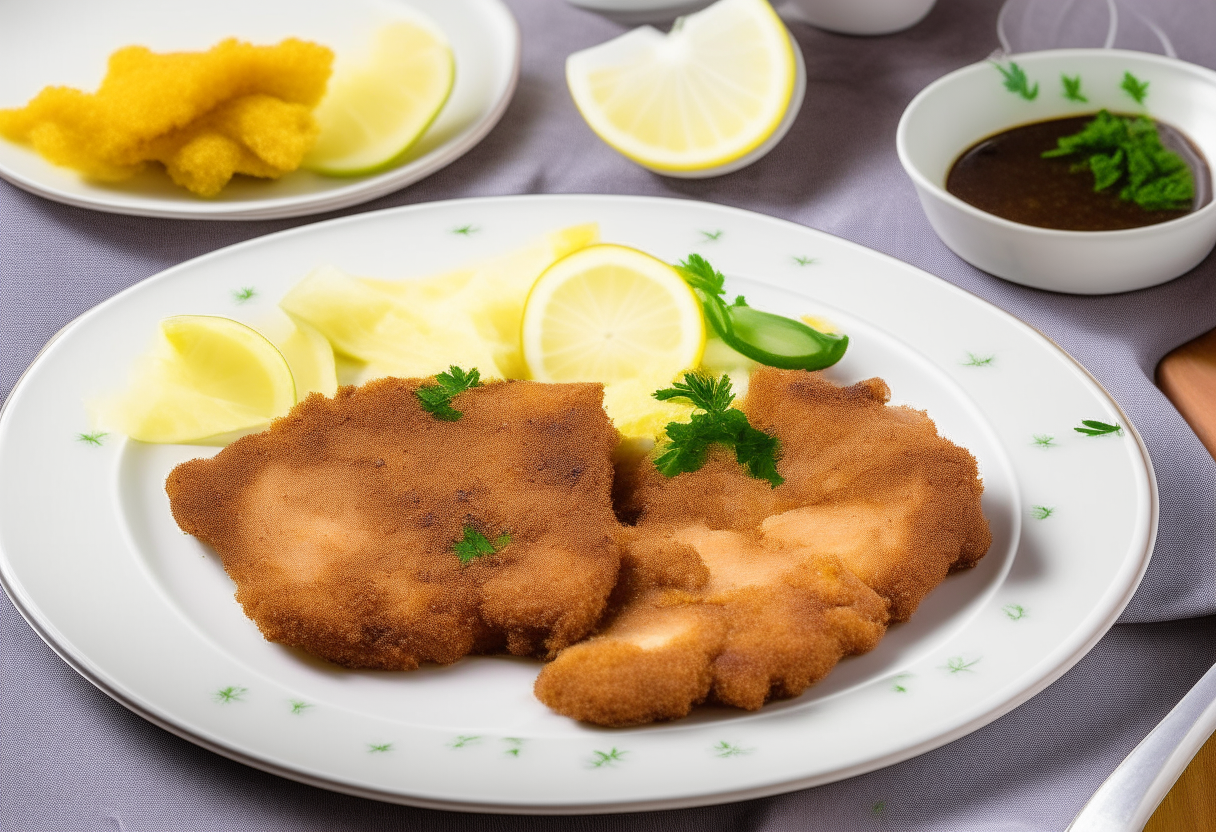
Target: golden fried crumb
[
  {"x": 236, "y": 108},
  {"x": 338, "y": 524},
  {"x": 736, "y": 592}
]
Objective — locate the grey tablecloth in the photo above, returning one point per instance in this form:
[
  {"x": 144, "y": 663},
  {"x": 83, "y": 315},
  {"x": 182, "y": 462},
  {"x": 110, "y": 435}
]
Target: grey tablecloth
[{"x": 72, "y": 759}]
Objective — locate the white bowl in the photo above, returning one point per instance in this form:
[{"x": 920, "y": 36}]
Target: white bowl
[
  {"x": 635, "y": 12},
  {"x": 862, "y": 17},
  {"x": 958, "y": 110}
]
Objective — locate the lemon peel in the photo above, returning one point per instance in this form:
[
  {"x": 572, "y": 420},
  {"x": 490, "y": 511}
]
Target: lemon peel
[{"x": 707, "y": 94}]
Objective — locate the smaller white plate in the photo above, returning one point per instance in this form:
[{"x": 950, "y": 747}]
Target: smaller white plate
[{"x": 67, "y": 42}]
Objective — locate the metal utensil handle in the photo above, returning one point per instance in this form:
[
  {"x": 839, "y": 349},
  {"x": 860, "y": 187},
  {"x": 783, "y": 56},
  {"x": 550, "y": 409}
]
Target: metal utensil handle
[{"x": 1128, "y": 798}]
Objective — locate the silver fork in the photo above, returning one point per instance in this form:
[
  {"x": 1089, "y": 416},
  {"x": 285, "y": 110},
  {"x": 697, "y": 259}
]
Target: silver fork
[{"x": 1128, "y": 798}]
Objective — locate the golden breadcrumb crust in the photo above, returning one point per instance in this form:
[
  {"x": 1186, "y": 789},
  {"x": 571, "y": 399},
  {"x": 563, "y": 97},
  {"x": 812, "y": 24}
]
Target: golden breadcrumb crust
[
  {"x": 338, "y": 524},
  {"x": 735, "y": 592}
]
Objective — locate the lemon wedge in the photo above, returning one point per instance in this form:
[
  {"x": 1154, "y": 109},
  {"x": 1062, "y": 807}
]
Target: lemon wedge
[
  {"x": 416, "y": 328},
  {"x": 709, "y": 93},
  {"x": 609, "y": 313},
  {"x": 308, "y": 353},
  {"x": 205, "y": 376},
  {"x": 372, "y": 114},
  {"x": 637, "y": 414}
]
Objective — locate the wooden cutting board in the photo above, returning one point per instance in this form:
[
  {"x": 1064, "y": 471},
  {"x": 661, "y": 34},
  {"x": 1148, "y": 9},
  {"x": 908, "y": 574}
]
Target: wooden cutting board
[{"x": 1187, "y": 376}]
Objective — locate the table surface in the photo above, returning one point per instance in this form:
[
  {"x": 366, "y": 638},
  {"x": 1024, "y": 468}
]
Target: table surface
[{"x": 72, "y": 759}]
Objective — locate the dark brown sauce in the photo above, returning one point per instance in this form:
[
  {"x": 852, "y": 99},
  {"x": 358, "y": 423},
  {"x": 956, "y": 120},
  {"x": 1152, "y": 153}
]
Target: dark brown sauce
[{"x": 1006, "y": 175}]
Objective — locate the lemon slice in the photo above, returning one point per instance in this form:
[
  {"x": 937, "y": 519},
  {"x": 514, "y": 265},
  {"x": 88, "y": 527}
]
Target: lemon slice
[
  {"x": 708, "y": 93},
  {"x": 373, "y": 114},
  {"x": 204, "y": 377},
  {"x": 609, "y": 313}
]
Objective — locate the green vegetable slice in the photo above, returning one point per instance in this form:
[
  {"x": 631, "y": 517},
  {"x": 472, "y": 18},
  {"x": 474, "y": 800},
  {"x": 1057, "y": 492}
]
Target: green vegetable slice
[{"x": 770, "y": 339}]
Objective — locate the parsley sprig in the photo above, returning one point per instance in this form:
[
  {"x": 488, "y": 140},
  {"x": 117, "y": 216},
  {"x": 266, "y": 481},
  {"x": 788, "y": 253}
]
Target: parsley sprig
[
  {"x": 474, "y": 545},
  {"x": 1129, "y": 150},
  {"x": 774, "y": 340},
  {"x": 437, "y": 399},
  {"x": 714, "y": 421}
]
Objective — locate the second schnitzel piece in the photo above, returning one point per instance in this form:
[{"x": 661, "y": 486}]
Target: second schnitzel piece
[
  {"x": 737, "y": 592},
  {"x": 372, "y": 533}
]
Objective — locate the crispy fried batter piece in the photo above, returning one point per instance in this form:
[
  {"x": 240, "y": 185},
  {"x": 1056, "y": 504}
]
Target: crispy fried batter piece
[
  {"x": 338, "y": 524},
  {"x": 736, "y": 592}
]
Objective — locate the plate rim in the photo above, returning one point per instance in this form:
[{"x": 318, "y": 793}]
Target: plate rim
[
  {"x": 374, "y": 186},
  {"x": 1044, "y": 677}
]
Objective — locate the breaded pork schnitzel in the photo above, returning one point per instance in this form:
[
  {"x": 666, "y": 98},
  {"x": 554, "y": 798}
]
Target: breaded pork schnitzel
[
  {"x": 367, "y": 531},
  {"x": 737, "y": 592}
]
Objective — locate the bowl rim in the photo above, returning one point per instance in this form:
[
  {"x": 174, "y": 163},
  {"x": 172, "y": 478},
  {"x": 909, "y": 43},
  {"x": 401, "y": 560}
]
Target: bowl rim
[{"x": 924, "y": 183}]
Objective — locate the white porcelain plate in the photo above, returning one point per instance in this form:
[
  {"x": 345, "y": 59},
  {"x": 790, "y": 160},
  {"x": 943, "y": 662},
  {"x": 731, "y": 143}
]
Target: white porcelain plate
[
  {"x": 91, "y": 556},
  {"x": 67, "y": 42}
]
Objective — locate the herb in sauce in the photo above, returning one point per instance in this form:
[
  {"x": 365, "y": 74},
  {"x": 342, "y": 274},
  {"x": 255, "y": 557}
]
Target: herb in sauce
[
  {"x": 1129, "y": 150},
  {"x": 1049, "y": 174}
]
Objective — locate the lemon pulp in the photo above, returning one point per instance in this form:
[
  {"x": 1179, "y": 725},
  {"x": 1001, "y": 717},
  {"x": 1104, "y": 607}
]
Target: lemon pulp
[
  {"x": 373, "y": 114},
  {"x": 416, "y": 328},
  {"x": 704, "y": 95},
  {"x": 204, "y": 377},
  {"x": 609, "y": 313}
]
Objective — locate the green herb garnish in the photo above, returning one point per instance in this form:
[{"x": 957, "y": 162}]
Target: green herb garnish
[
  {"x": 1134, "y": 87},
  {"x": 1072, "y": 88},
  {"x": 1129, "y": 150},
  {"x": 1016, "y": 81},
  {"x": 1092, "y": 427},
  {"x": 770, "y": 339},
  {"x": 437, "y": 400},
  {"x": 475, "y": 545},
  {"x": 714, "y": 421}
]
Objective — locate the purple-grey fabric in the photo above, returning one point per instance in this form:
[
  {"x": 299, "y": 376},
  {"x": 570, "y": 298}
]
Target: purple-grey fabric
[{"x": 71, "y": 759}]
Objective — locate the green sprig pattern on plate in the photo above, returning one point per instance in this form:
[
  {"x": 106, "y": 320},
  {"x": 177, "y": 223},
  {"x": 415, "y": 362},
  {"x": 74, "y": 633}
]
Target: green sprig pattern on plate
[
  {"x": 299, "y": 706},
  {"x": 1015, "y": 612},
  {"x": 957, "y": 664},
  {"x": 1042, "y": 512},
  {"x": 974, "y": 360},
  {"x": 803, "y": 260},
  {"x": 244, "y": 294},
  {"x": 465, "y": 230},
  {"x": 1017, "y": 82},
  {"x": 1134, "y": 87},
  {"x": 379, "y": 747},
  {"x": 1092, "y": 427},
  {"x": 729, "y": 749},
  {"x": 711, "y": 236},
  {"x": 897, "y": 682},
  {"x": 463, "y": 740},
  {"x": 601, "y": 759},
  {"x": 232, "y": 693},
  {"x": 1072, "y": 88},
  {"x": 1044, "y": 440},
  {"x": 514, "y": 746},
  {"x": 94, "y": 438}
]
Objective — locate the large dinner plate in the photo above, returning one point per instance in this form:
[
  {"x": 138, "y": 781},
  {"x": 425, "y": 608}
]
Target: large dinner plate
[
  {"x": 67, "y": 42},
  {"x": 92, "y": 558}
]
